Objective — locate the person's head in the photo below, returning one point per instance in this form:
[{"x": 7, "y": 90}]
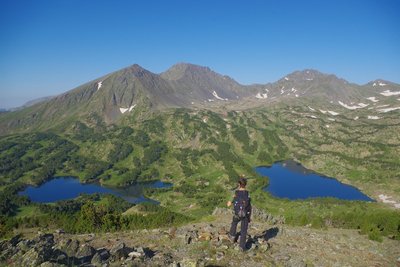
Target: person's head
[{"x": 242, "y": 182}]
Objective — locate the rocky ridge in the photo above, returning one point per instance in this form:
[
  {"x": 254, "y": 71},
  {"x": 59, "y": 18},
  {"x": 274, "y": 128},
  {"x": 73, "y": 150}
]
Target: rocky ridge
[{"x": 270, "y": 242}]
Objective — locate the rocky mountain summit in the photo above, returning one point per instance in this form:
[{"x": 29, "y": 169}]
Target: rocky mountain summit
[
  {"x": 270, "y": 242},
  {"x": 137, "y": 91}
]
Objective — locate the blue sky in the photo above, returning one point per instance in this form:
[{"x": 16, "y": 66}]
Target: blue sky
[{"x": 49, "y": 47}]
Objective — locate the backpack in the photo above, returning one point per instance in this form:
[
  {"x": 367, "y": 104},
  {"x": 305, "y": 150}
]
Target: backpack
[{"x": 241, "y": 204}]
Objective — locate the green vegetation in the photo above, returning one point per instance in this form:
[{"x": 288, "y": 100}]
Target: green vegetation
[{"x": 201, "y": 153}]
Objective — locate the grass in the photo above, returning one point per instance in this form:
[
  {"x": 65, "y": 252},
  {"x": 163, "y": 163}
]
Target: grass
[
  {"x": 364, "y": 155},
  {"x": 28, "y": 211}
]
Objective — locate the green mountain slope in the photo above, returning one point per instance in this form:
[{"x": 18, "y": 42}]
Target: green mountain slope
[{"x": 134, "y": 125}]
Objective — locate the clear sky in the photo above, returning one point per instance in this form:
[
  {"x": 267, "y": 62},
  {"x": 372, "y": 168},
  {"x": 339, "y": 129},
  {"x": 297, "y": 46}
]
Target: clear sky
[{"x": 49, "y": 47}]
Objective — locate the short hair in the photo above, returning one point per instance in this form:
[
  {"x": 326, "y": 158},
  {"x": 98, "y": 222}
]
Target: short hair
[{"x": 242, "y": 182}]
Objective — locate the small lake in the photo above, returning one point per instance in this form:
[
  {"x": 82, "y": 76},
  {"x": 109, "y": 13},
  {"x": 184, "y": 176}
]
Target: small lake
[
  {"x": 62, "y": 188},
  {"x": 289, "y": 179}
]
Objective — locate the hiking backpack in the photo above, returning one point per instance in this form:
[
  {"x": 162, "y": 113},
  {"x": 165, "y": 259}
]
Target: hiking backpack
[{"x": 241, "y": 204}]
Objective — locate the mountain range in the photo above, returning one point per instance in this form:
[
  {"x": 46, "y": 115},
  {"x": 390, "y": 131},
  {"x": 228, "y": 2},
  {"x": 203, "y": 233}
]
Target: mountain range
[{"x": 137, "y": 90}]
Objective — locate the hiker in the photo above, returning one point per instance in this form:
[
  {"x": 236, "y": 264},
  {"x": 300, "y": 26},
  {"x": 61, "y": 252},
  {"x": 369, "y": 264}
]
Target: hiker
[{"x": 242, "y": 212}]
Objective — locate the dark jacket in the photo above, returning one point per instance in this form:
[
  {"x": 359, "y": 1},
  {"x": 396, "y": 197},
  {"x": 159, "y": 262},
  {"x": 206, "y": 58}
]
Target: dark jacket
[{"x": 243, "y": 194}]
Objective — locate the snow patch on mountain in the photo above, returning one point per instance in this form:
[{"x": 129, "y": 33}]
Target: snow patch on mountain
[
  {"x": 390, "y": 93},
  {"x": 356, "y": 118},
  {"x": 99, "y": 84},
  {"x": 261, "y": 96},
  {"x": 373, "y": 99},
  {"x": 333, "y": 113},
  {"x": 360, "y": 105},
  {"x": 218, "y": 97},
  {"x": 331, "y": 119},
  {"x": 323, "y": 111},
  {"x": 286, "y": 78},
  {"x": 379, "y": 83},
  {"x": 123, "y": 110},
  {"x": 311, "y": 108},
  {"x": 373, "y": 117},
  {"x": 384, "y": 110}
]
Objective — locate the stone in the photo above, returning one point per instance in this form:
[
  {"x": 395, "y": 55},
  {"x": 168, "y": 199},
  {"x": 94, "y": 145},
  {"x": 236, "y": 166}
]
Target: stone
[
  {"x": 135, "y": 254},
  {"x": 51, "y": 264},
  {"x": 15, "y": 240},
  {"x": 188, "y": 263},
  {"x": 205, "y": 236},
  {"x": 191, "y": 236},
  {"x": 59, "y": 231},
  {"x": 85, "y": 254},
  {"x": 220, "y": 255},
  {"x": 32, "y": 258},
  {"x": 100, "y": 257},
  {"x": 71, "y": 247},
  {"x": 163, "y": 259},
  {"x": 24, "y": 245},
  {"x": 119, "y": 250},
  {"x": 265, "y": 246}
]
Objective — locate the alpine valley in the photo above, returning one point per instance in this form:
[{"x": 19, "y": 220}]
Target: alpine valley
[{"x": 200, "y": 130}]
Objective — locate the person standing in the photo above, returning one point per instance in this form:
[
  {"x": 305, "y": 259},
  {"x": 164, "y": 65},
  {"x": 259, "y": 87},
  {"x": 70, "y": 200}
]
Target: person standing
[{"x": 242, "y": 212}]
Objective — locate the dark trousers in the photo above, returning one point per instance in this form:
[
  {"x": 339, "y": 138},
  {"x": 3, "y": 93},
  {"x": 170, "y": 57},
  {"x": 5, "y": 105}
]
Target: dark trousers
[{"x": 243, "y": 230}]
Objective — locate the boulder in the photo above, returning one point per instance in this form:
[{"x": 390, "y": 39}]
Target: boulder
[
  {"x": 51, "y": 264},
  {"x": 101, "y": 257},
  {"x": 71, "y": 247},
  {"x": 85, "y": 254},
  {"x": 191, "y": 236},
  {"x": 162, "y": 259},
  {"x": 119, "y": 250}
]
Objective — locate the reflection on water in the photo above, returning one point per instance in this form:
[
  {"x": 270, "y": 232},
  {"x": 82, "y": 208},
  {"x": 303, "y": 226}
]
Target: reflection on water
[
  {"x": 289, "y": 179},
  {"x": 62, "y": 188}
]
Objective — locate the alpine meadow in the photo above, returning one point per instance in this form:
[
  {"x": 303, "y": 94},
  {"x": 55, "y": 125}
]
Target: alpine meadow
[
  {"x": 199, "y": 133},
  {"x": 200, "y": 130}
]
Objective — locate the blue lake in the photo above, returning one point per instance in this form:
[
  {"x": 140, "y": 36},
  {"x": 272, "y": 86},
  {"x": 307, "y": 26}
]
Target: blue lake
[
  {"x": 62, "y": 188},
  {"x": 289, "y": 179}
]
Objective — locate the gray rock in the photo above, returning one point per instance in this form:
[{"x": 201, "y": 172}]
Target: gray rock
[
  {"x": 32, "y": 258},
  {"x": 191, "y": 236},
  {"x": 119, "y": 250},
  {"x": 25, "y": 245},
  {"x": 51, "y": 264},
  {"x": 222, "y": 211},
  {"x": 71, "y": 247},
  {"x": 100, "y": 257},
  {"x": 59, "y": 231},
  {"x": 220, "y": 255},
  {"x": 85, "y": 254},
  {"x": 103, "y": 253},
  {"x": 135, "y": 254},
  {"x": 15, "y": 240},
  {"x": 163, "y": 259}
]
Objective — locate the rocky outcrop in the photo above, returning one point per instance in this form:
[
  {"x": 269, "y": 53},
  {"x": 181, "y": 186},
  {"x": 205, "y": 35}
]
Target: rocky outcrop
[
  {"x": 203, "y": 244},
  {"x": 44, "y": 251}
]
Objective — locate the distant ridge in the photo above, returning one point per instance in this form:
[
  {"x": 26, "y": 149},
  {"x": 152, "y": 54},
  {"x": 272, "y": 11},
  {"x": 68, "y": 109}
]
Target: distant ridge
[{"x": 135, "y": 90}]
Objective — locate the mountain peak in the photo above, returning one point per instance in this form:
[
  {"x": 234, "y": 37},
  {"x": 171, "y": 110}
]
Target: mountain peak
[
  {"x": 379, "y": 83},
  {"x": 178, "y": 70},
  {"x": 311, "y": 75}
]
